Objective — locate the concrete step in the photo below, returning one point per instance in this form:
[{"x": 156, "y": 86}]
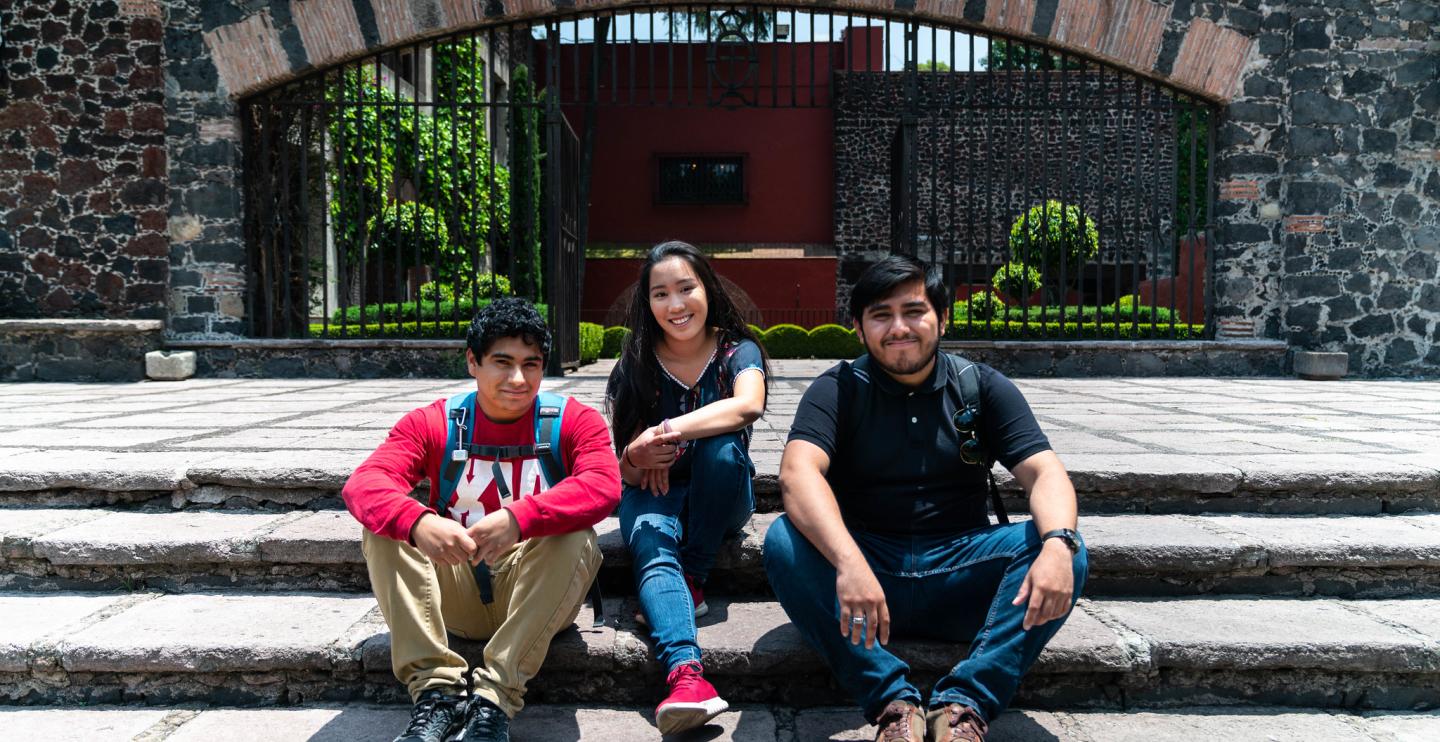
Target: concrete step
[
  {"x": 1116, "y": 482},
  {"x": 295, "y": 648},
  {"x": 187, "y": 550},
  {"x": 746, "y": 723}
]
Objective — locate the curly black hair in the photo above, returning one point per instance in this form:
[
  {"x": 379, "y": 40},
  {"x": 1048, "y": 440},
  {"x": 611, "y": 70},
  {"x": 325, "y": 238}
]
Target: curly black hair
[{"x": 507, "y": 318}]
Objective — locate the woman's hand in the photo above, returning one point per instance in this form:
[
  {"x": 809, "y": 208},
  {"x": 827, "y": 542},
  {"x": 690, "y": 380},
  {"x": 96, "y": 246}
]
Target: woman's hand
[
  {"x": 653, "y": 449},
  {"x": 655, "y": 480}
]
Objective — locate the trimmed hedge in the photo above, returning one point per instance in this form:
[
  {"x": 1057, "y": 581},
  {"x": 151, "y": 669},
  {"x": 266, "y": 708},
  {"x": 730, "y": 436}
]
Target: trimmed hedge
[
  {"x": 401, "y": 330},
  {"x": 1105, "y": 314},
  {"x": 411, "y": 311},
  {"x": 834, "y": 341},
  {"x": 1013, "y": 330},
  {"x": 787, "y": 341},
  {"x": 592, "y": 337},
  {"x": 614, "y": 341}
]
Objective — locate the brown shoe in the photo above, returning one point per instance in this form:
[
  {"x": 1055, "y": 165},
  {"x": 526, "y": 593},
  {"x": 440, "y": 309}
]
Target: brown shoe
[
  {"x": 955, "y": 723},
  {"x": 901, "y": 721}
]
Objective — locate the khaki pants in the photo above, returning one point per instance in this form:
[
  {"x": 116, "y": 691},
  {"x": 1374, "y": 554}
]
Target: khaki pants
[{"x": 539, "y": 585}]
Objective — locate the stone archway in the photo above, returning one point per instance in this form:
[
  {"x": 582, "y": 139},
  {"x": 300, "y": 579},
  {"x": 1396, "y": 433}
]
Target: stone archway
[{"x": 1196, "y": 55}]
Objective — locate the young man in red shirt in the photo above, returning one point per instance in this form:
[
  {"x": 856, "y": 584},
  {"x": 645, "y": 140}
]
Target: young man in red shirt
[{"x": 535, "y": 536}]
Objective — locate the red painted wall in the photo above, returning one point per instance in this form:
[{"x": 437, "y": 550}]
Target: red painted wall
[
  {"x": 653, "y": 101},
  {"x": 797, "y": 290}
]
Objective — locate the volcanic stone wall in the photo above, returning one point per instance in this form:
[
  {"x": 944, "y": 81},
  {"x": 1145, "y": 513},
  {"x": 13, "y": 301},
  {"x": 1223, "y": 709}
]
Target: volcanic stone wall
[
  {"x": 990, "y": 146},
  {"x": 82, "y": 160}
]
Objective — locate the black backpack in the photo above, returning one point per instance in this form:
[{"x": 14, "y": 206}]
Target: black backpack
[{"x": 855, "y": 387}]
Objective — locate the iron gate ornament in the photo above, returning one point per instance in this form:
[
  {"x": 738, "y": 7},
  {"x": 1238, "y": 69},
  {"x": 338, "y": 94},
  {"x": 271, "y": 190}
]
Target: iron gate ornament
[{"x": 733, "y": 61}]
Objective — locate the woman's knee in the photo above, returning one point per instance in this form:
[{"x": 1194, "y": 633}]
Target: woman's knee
[{"x": 722, "y": 450}]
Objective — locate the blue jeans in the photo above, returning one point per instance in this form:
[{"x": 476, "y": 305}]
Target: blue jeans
[
  {"x": 955, "y": 588},
  {"x": 680, "y": 533}
]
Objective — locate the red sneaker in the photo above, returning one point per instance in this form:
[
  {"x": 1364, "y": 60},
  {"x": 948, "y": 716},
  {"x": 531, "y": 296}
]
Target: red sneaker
[
  {"x": 692, "y": 702},
  {"x": 697, "y": 595}
]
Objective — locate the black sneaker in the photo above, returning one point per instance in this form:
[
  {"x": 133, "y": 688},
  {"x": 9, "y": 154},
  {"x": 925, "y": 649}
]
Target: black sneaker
[
  {"x": 484, "y": 722},
  {"x": 436, "y": 715}
]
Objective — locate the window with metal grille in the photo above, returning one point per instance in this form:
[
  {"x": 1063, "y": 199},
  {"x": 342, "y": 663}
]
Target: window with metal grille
[{"x": 701, "y": 179}]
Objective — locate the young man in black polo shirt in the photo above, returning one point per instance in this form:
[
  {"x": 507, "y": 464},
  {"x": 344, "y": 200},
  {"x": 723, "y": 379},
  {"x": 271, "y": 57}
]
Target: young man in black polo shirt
[{"x": 885, "y": 523}]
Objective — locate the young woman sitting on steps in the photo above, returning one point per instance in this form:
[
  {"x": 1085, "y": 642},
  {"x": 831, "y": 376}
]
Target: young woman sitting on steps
[{"x": 682, "y": 399}]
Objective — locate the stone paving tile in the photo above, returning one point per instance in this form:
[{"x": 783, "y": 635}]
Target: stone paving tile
[
  {"x": 157, "y": 538},
  {"x": 27, "y": 418},
  {"x": 63, "y": 438},
  {"x": 218, "y": 632},
  {"x": 846, "y": 725},
  {"x": 1341, "y": 443},
  {"x": 1235, "y": 632},
  {"x": 326, "y": 537},
  {"x": 1418, "y": 614},
  {"x": 1370, "y": 541},
  {"x": 1192, "y": 724},
  {"x": 1151, "y": 472},
  {"x": 95, "y": 724},
  {"x": 1188, "y": 442},
  {"x": 30, "y": 617},
  {"x": 284, "y": 468},
  {"x": 19, "y": 526},
  {"x": 202, "y": 421},
  {"x": 1168, "y": 543},
  {"x": 107, "y": 470},
  {"x": 1403, "y": 726}
]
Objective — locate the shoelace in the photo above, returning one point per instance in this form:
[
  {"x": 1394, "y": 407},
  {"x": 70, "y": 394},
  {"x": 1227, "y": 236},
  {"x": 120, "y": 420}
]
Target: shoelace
[
  {"x": 486, "y": 720},
  {"x": 685, "y": 677},
  {"x": 423, "y": 715},
  {"x": 967, "y": 721},
  {"x": 898, "y": 727}
]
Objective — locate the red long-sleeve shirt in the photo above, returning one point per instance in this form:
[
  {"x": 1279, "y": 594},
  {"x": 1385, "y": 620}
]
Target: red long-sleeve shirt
[{"x": 377, "y": 494}]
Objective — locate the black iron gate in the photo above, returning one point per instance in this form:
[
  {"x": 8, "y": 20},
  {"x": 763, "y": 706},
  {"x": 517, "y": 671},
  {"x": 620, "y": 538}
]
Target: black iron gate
[{"x": 393, "y": 195}]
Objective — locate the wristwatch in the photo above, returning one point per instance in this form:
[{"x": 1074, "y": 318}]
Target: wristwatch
[{"x": 1070, "y": 537}]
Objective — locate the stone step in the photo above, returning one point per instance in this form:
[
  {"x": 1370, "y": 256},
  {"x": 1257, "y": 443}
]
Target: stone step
[
  {"x": 1107, "y": 483},
  {"x": 295, "y": 648},
  {"x": 1336, "y": 555},
  {"x": 745, "y": 723}
]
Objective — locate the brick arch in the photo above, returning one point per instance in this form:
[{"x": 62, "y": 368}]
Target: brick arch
[{"x": 290, "y": 38}]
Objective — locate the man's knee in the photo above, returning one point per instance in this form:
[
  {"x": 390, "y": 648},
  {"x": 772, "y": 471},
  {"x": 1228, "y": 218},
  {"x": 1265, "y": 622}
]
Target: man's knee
[
  {"x": 380, "y": 550},
  {"x": 780, "y": 543},
  {"x": 573, "y": 546}
]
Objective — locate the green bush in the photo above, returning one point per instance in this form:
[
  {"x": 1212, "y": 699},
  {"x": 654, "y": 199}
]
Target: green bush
[
  {"x": 410, "y": 311},
  {"x": 1012, "y": 330},
  {"x": 405, "y": 227},
  {"x": 483, "y": 287},
  {"x": 787, "y": 341},
  {"x": 614, "y": 341},
  {"x": 1016, "y": 280},
  {"x": 408, "y": 330},
  {"x": 983, "y": 306},
  {"x": 1052, "y": 231},
  {"x": 1129, "y": 308},
  {"x": 834, "y": 341},
  {"x": 592, "y": 337}
]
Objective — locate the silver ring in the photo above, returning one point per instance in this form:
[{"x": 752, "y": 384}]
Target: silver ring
[{"x": 857, "y": 619}]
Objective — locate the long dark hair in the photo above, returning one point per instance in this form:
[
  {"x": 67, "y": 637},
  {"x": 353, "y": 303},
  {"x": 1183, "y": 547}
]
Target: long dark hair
[{"x": 633, "y": 393}]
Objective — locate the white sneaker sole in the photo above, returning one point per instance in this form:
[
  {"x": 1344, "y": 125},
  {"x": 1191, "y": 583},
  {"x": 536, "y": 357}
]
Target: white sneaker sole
[{"x": 679, "y": 717}]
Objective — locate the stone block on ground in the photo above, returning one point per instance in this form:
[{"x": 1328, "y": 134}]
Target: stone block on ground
[
  {"x": 220, "y": 633},
  {"x": 30, "y": 618},
  {"x": 87, "y": 724},
  {"x": 1259, "y": 633},
  {"x": 1162, "y": 543},
  {"x": 325, "y": 537},
  {"x": 170, "y": 365},
  {"x": 1320, "y": 366},
  {"x": 1214, "y": 724},
  {"x": 163, "y": 538},
  {"x": 1369, "y": 541}
]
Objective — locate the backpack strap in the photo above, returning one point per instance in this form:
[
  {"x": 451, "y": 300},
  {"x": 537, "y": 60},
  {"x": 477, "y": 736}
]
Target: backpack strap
[
  {"x": 965, "y": 378},
  {"x": 459, "y": 417},
  {"x": 549, "y": 415}
]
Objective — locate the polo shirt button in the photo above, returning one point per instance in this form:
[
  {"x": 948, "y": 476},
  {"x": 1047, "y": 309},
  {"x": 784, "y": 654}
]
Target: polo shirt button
[{"x": 914, "y": 420}]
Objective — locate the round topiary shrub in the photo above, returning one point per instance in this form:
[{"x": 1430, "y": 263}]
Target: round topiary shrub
[
  {"x": 787, "y": 341},
  {"x": 405, "y": 226},
  {"x": 984, "y": 306},
  {"x": 834, "y": 341},
  {"x": 1051, "y": 232},
  {"x": 1016, "y": 280}
]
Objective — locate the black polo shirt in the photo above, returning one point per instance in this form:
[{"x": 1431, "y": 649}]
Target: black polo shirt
[{"x": 895, "y": 461}]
